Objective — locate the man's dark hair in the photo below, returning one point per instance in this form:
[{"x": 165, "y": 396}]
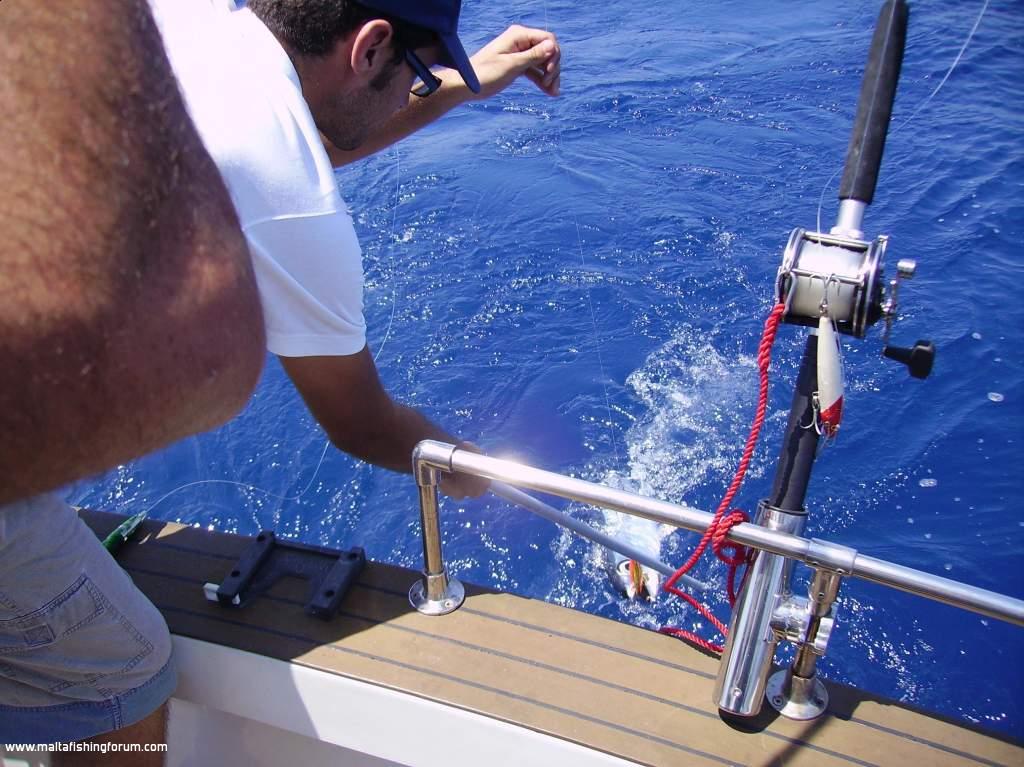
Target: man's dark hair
[{"x": 313, "y": 27}]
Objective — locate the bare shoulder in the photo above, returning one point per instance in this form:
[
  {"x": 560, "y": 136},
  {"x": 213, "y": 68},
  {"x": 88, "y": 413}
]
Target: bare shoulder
[{"x": 128, "y": 309}]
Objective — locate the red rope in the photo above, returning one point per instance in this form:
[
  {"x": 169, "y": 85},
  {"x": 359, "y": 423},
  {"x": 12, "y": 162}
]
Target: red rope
[{"x": 731, "y": 554}]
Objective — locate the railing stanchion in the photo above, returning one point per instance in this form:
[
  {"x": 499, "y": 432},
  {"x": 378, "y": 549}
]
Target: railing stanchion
[{"x": 436, "y": 594}]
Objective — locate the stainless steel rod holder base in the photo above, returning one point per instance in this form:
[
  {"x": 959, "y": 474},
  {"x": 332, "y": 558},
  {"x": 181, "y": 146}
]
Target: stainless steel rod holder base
[
  {"x": 449, "y": 599},
  {"x": 796, "y": 697},
  {"x": 750, "y": 647}
]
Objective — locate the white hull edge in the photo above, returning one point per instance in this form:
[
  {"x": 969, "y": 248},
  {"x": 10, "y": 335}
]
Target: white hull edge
[{"x": 238, "y": 708}]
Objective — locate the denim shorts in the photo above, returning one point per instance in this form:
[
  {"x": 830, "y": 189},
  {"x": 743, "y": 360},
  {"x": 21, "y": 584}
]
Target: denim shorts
[{"x": 82, "y": 650}]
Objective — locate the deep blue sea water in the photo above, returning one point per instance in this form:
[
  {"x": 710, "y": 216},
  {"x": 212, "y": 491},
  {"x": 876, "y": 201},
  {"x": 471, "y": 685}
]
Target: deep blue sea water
[{"x": 580, "y": 283}]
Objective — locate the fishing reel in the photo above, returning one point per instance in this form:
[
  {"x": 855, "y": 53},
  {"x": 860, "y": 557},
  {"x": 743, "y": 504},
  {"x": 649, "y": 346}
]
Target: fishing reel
[{"x": 842, "y": 274}]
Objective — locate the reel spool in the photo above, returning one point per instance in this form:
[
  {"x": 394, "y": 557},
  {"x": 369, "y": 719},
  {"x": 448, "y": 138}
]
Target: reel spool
[{"x": 841, "y": 273}]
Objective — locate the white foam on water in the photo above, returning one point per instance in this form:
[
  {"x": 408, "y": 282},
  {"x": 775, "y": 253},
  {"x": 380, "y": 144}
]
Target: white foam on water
[
  {"x": 692, "y": 404},
  {"x": 697, "y": 404}
]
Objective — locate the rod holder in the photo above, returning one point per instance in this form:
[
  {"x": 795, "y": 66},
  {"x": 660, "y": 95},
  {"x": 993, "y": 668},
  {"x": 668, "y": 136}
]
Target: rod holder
[{"x": 750, "y": 648}]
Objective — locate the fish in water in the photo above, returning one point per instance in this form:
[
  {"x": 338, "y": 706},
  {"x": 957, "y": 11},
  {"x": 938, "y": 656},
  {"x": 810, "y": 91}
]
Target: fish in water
[
  {"x": 629, "y": 577},
  {"x": 634, "y": 580},
  {"x": 634, "y": 537}
]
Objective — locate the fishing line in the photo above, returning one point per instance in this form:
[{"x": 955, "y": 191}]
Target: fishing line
[
  {"x": 394, "y": 226},
  {"x": 245, "y": 485},
  {"x": 597, "y": 338},
  {"x": 590, "y": 302},
  {"x": 923, "y": 104},
  {"x": 327, "y": 443}
]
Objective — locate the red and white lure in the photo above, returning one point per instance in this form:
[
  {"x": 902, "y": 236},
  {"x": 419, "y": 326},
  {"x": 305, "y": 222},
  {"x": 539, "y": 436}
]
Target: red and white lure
[{"x": 829, "y": 399}]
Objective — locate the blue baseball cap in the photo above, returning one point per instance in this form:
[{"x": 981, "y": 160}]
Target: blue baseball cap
[{"x": 440, "y": 17}]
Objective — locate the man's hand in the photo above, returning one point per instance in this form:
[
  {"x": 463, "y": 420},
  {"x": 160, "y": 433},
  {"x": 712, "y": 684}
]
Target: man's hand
[
  {"x": 519, "y": 51},
  {"x": 459, "y": 486},
  {"x": 515, "y": 52}
]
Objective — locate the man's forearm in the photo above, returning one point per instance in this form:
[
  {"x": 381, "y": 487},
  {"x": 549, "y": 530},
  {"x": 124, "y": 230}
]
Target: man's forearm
[
  {"x": 386, "y": 441},
  {"x": 411, "y": 427},
  {"x": 129, "y": 316},
  {"x": 345, "y": 395}
]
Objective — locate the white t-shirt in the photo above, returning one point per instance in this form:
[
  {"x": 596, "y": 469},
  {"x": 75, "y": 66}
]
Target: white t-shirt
[{"x": 246, "y": 101}]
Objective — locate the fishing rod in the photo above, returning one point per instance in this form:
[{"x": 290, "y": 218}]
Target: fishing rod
[{"x": 835, "y": 284}]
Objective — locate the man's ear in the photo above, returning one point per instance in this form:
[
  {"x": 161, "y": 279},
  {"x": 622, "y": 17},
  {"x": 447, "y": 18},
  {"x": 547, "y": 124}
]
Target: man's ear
[{"x": 371, "y": 48}]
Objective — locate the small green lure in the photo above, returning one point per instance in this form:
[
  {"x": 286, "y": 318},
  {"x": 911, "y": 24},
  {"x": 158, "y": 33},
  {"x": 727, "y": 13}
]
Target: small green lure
[{"x": 123, "y": 532}]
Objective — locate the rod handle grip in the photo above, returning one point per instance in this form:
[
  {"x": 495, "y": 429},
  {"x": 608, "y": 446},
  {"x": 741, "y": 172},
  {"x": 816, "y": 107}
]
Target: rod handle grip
[{"x": 878, "y": 90}]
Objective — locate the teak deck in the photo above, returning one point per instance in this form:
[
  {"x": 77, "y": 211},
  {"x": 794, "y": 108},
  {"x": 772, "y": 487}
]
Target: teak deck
[{"x": 619, "y": 689}]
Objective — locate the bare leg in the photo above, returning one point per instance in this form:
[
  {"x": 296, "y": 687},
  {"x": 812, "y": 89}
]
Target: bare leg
[{"x": 151, "y": 730}]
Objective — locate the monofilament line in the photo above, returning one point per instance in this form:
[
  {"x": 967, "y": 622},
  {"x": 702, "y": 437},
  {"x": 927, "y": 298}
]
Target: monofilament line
[
  {"x": 245, "y": 485},
  {"x": 597, "y": 343},
  {"x": 391, "y": 240},
  {"x": 590, "y": 304},
  {"x": 923, "y": 104}
]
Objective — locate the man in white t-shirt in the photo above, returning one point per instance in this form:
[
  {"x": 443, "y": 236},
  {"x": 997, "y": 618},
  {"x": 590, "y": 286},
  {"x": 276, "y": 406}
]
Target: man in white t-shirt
[{"x": 272, "y": 88}]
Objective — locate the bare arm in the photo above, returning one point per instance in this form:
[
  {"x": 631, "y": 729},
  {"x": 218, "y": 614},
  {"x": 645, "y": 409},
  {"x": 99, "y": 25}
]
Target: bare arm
[
  {"x": 345, "y": 395},
  {"x": 129, "y": 316},
  {"x": 518, "y": 51}
]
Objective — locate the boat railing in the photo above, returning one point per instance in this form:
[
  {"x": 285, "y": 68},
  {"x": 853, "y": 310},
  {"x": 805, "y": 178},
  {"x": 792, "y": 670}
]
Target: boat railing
[{"x": 806, "y": 622}]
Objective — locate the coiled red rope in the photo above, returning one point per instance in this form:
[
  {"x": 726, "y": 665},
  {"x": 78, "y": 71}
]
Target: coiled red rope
[{"x": 732, "y": 554}]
